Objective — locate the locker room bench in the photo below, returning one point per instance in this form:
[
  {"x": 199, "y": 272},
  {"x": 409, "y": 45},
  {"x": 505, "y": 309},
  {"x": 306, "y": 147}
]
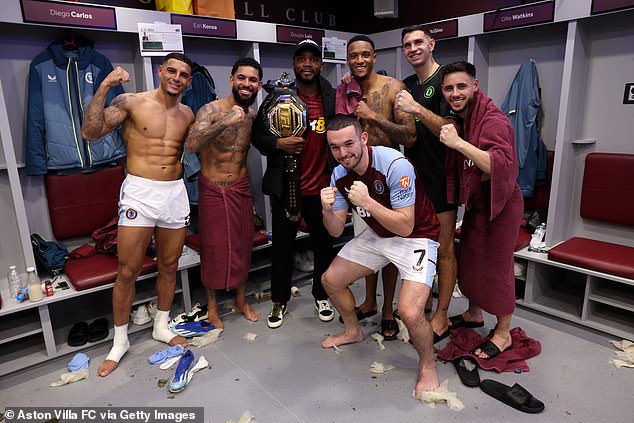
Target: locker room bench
[{"x": 607, "y": 196}]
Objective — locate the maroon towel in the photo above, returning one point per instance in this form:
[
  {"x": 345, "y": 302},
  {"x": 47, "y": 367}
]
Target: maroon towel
[
  {"x": 465, "y": 340},
  {"x": 347, "y": 97},
  {"x": 490, "y": 130}
]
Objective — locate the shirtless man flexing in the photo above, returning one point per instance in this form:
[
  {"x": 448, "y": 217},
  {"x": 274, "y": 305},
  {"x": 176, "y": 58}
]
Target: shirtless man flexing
[
  {"x": 222, "y": 136},
  {"x": 153, "y": 199},
  {"x": 386, "y": 126}
]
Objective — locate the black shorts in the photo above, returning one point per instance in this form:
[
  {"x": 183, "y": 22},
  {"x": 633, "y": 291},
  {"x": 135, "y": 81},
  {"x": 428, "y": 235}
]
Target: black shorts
[{"x": 438, "y": 197}]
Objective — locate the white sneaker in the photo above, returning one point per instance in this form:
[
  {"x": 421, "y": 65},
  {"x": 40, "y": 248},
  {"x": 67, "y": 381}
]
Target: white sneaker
[
  {"x": 276, "y": 316},
  {"x": 301, "y": 263},
  {"x": 324, "y": 310},
  {"x": 140, "y": 316},
  {"x": 519, "y": 269},
  {"x": 152, "y": 308},
  {"x": 196, "y": 314}
]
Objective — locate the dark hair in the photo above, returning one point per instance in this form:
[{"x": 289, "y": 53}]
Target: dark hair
[
  {"x": 181, "y": 58},
  {"x": 413, "y": 28},
  {"x": 461, "y": 66},
  {"x": 343, "y": 121},
  {"x": 361, "y": 38},
  {"x": 247, "y": 61}
]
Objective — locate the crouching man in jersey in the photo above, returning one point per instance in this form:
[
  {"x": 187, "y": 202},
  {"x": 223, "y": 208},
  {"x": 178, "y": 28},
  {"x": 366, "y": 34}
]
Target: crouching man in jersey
[{"x": 380, "y": 184}]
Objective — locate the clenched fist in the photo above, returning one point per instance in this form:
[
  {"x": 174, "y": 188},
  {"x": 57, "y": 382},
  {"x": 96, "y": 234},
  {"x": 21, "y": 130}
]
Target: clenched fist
[
  {"x": 117, "y": 77},
  {"x": 449, "y": 136},
  {"x": 358, "y": 194},
  {"x": 405, "y": 102},
  {"x": 328, "y": 196}
]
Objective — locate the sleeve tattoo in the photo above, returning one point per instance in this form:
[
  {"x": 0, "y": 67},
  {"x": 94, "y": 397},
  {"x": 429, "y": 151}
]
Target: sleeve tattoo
[{"x": 208, "y": 125}]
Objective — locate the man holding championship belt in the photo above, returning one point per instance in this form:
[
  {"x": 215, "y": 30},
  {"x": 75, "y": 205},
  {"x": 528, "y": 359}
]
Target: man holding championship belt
[{"x": 297, "y": 158}]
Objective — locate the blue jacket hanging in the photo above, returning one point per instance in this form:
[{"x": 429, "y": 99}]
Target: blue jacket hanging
[
  {"x": 200, "y": 92},
  {"x": 521, "y": 105},
  {"x": 61, "y": 83}
]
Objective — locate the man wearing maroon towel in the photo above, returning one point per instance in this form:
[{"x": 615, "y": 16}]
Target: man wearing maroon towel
[
  {"x": 222, "y": 136},
  {"x": 481, "y": 174}
]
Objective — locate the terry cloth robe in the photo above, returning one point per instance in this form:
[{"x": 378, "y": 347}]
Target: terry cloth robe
[
  {"x": 347, "y": 97},
  {"x": 522, "y": 105},
  {"x": 493, "y": 209},
  {"x": 226, "y": 232}
]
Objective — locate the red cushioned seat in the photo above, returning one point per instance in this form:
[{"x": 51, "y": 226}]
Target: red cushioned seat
[
  {"x": 522, "y": 241},
  {"x": 193, "y": 241},
  {"x": 98, "y": 270},
  {"x": 78, "y": 204},
  {"x": 601, "y": 256},
  {"x": 608, "y": 188}
]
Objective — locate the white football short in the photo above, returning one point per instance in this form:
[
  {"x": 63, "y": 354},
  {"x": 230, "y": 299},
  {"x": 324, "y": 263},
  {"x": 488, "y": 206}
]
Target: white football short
[
  {"x": 415, "y": 258},
  {"x": 149, "y": 203}
]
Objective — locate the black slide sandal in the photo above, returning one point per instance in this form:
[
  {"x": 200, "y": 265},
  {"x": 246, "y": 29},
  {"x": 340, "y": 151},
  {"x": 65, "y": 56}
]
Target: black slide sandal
[
  {"x": 98, "y": 330},
  {"x": 515, "y": 396},
  {"x": 78, "y": 334},
  {"x": 470, "y": 378}
]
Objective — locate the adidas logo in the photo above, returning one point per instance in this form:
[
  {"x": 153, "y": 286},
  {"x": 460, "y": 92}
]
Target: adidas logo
[{"x": 52, "y": 78}]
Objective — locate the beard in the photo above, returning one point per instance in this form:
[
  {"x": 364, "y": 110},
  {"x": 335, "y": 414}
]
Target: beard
[
  {"x": 245, "y": 102},
  {"x": 300, "y": 78}
]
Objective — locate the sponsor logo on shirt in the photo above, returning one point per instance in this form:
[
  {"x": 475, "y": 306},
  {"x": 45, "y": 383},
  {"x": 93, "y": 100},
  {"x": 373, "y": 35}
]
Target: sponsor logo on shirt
[
  {"x": 403, "y": 195},
  {"x": 468, "y": 163},
  {"x": 429, "y": 91},
  {"x": 318, "y": 125},
  {"x": 405, "y": 182},
  {"x": 52, "y": 78},
  {"x": 88, "y": 77},
  {"x": 378, "y": 187}
]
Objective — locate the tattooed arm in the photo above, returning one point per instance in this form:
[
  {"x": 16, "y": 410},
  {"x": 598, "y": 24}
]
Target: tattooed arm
[
  {"x": 403, "y": 131},
  {"x": 209, "y": 124},
  {"x": 99, "y": 121}
]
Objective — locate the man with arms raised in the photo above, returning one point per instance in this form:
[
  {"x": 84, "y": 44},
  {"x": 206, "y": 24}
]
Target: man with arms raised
[
  {"x": 222, "y": 136},
  {"x": 153, "y": 199},
  {"x": 387, "y": 126},
  {"x": 402, "y": 228},
  {"x": 427, "y": 103}
]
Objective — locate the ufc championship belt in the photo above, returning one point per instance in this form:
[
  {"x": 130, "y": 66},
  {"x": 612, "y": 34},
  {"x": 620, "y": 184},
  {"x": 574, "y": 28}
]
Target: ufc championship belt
[{"x": 286, "y": 115}]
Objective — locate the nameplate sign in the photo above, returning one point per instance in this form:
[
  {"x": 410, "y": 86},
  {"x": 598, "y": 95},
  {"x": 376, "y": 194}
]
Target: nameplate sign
[
  {"x": 519, "y": 16},
  {"x": 206, "y": 27},
  {"x": 440, "y": 30},
  {"x": 600, "y": 6},
  {"x": 68, "y": 14},
  {"x": 294, "y": 34}
]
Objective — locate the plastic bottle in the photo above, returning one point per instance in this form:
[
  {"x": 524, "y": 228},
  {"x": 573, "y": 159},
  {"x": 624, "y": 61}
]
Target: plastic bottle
[
  {"x": 15, "y": 282},
  {"x": 34, "y": 285}
]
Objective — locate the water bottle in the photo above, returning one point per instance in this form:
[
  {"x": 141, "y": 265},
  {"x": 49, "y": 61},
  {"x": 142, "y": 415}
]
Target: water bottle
[
  {"x": 34, "y": 285},
  {"x": 537, "y": 239},
  {"x": 15, "y": 282}
]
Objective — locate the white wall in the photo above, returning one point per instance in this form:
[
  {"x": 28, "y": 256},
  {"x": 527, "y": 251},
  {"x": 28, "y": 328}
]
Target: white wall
[{"x": 544, "y": 44}]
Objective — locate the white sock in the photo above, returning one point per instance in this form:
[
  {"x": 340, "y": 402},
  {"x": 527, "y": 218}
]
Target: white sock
[
  {"x": 161, "y": 332},
  {"x": 120, "y": 343}
]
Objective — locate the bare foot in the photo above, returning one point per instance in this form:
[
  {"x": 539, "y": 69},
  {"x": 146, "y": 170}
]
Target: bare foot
[
  {"x": 503, "y": 341},
  {"x": 178, "y": 340},
  {"x": 428, "y": 381},
  {"x": 366, "y": 307},
  {"x": 345, "y": 337},
  {"x": 107, "y": 367},
  {"x": 249, "y": 313},
  {"x": 215, "y": 320},
  {"x": 470, "y": 318}
]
